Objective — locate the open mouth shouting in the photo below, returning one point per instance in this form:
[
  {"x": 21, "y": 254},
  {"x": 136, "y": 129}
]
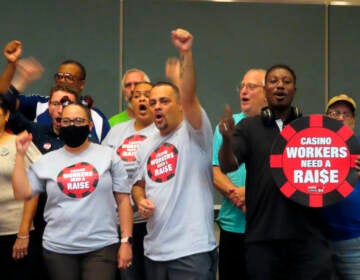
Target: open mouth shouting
[
  {"x": 159, "y": 118},
  {"x": 280, "y": 95},
  {"x": 142, "y": 109}
]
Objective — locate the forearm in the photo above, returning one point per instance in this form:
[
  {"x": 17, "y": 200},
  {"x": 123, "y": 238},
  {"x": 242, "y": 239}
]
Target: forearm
[
  {"x": 125, "y": 214},
  {"x": 29, "y": 211},
  {"x": 7, "y": 76},
  {"x": 227, "y": 158},
  {"x": 222, "y": 182},
  {"x": 187, "y": 77},
  {"x": 138, "y": 192},
  {"x": 20, "y": 83},
  {"x": 21, "y": 186}
]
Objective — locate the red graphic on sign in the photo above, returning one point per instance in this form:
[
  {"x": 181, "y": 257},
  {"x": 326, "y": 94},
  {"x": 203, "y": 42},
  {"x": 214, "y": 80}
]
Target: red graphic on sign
[
  {"x": 78, "y": 180},
  {"x": 161, "y": 165},
  {"x": 314, "y": 161},
  {"x": 129, "y": 147}
]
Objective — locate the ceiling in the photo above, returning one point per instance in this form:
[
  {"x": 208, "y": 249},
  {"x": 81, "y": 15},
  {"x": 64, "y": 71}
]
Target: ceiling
[{"x": 328, "y": 2}]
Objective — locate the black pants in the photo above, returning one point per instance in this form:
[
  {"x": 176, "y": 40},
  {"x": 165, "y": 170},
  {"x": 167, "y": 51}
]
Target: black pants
[
  {"x": 15, "y": 270},
  {"x": 137, "y": 270},
  {"x": 231, "y": 256},
  {"x": 289, "y": 259}
]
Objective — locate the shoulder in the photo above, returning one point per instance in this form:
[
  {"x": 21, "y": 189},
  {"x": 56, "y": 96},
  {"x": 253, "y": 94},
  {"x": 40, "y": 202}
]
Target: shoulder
[
  {"x": 96, "y": 112},
  {"x": 34, "y": 98},
  {"x": 119, "y": 118}
]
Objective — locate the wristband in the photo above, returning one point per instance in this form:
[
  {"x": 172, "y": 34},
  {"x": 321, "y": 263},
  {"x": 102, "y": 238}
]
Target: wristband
[{"x": 23, "y": 236}]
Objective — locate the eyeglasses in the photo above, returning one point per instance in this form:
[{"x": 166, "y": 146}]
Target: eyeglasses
[
  {"x": 55, "y": 103},
  {"x": 77, "y": 121},
  {"x": 249, "y": 86},
  {"x": 129, "y": 84},
  {"x": 64, "y": 101},
  {"x": 337, "y": 114},
  {"x": 66, "y": 76}
]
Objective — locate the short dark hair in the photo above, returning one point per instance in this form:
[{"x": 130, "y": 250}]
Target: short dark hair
[
  {"x": 82, "y": 67},
  {"x": 67, "y": 88},
  {"x": 173, "y": 86},
  {"x": 83, "y": 107},
  {"x": 282, "y": 66}
]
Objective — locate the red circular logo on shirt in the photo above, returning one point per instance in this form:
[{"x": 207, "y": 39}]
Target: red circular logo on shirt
[
  {"x": 78, "y": 180},
  {"x": 129, "y": 147},
  {"x": 161, "y": 165}
]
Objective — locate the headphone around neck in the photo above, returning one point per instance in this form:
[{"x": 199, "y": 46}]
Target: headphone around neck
[{"x": 268, "y": 116}]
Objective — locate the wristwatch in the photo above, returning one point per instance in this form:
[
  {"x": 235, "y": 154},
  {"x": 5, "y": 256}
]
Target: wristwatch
[{"x": 128, "y": 239}]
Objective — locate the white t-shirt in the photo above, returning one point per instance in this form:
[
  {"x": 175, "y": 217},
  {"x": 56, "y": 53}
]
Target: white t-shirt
[
  {"x": 177, "y": 170},
  {"x": 80, "y": 211}
]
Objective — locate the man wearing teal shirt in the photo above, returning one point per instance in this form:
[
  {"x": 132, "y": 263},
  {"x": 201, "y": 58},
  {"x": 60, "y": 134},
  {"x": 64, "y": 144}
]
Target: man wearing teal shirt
[{"x": 231, "y": 218}]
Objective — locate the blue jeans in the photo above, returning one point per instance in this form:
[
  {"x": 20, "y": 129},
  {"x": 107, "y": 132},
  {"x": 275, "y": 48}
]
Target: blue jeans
[{"x": 347, "y": 258}]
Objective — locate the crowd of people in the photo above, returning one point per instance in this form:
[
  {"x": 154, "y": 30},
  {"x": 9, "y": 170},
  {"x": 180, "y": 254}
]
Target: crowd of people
[{"x": 131, "y": 198}]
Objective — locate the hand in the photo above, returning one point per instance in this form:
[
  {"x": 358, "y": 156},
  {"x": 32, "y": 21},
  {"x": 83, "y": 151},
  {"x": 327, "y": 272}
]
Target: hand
[
  {"x": 30, "y": 69},
  {"x": 227, "y": 124},
  {"x": 172, "y": 70},
  {"x": 182, "y": 40},
  {"x": 357, "y": 165},
  {"x": 13, "y": 51},
  {"x": 23, "y": 141},
  {"x": 125, "y": 256},
  {"x": 146, "y": 208},
  {"x": 20, "y": 248},
  {"x": 237, "y": 196}
]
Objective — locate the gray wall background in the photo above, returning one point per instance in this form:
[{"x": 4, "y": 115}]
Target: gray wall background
[
  {"x": 53, "y": 31},
  {"x": 229, "y": 39}
]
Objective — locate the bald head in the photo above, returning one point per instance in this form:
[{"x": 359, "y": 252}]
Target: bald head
[{"x": 252, "y": 93}]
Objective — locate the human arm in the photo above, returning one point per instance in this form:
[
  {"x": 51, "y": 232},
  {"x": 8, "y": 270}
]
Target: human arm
[
  {"x": 12, "y": 53},
  {"x": 21, "y": 245},
  {"x": 172, "y": 70},
  {"x": 125, "y": 214},
  {"x": 28, "y": 71},
  {"x": 227, "y": 188},
  {"x": 145, "y": 206},
  {"x": 21, "y": 186},
  {"x": 183, "y": 40},
  {"x": 18, "y": 123},
  {"x": 226, "y": 156}
]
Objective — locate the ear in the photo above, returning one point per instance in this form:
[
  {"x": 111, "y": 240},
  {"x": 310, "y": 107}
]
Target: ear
[
  {"x": 91, "y": 125},
  {"x": 7, "y": 116},
  {"x": 82, "y": 85}
]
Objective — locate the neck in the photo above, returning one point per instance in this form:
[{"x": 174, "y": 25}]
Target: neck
[
  {"x": 141, "y": 125},
  {"x": 77, "y": 150},
  {"x": 55, "y": 130},
  {"x": 3, "y": 132},
  {"x": 130, "y": 112},
  {"x": 282, "y": 113}
]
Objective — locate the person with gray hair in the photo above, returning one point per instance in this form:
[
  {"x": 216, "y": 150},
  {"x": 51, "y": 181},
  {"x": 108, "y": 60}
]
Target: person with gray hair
[
  {"x": 231, "y": 217},
  {"x": 130, "y": 79}
]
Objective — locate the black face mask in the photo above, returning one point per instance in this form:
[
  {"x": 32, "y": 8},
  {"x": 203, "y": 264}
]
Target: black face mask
[{"x": 74, "y": 136}]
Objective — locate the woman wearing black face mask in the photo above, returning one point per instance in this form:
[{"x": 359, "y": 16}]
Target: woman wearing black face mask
[{"x": 81, "y": 180}]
